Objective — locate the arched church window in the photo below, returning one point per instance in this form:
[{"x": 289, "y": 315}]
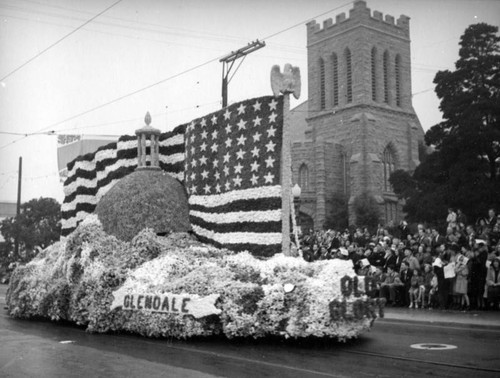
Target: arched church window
[
  {"x": 322, "y": 94},
  {"x": 335, "y": 66},
  {"x": 389, "y": 163},
  {"x": 391, "y": 212},
  {"x": 386, "y": 76},
  {"x": 304, "y": 177},
  {"x": 374, "y": 74},
  {"x": 344, "y": 172},
  {"x": 348, "y": 65},
  {"x": 398, "y": 79}
]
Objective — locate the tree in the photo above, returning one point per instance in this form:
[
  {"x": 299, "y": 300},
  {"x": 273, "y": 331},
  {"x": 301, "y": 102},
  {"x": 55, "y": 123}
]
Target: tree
[
  {"x": 469, "y": 100},
  {"x": 366, "y": 210},
  {"x": 338, "y": 218},
  {"x": 38, "y": 225},
  {"x": 463, "y": 171}
]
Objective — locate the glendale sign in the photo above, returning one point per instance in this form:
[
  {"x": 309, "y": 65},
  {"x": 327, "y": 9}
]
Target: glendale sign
[{"x": 166, "y": 303}]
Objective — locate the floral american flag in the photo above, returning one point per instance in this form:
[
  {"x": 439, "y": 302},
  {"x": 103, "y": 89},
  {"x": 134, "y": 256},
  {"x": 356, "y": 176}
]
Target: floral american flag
[{"x": 232, "y": 175}]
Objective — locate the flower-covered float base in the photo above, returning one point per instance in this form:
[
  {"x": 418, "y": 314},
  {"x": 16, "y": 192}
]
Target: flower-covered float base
[{"x": 154, "y": 285}]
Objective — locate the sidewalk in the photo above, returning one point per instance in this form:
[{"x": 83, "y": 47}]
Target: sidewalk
[{"x": 489, "y": 319}]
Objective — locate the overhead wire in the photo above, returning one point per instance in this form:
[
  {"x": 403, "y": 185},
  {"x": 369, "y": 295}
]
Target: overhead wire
[
  {"x": 161, "y": 26},
  {"x": 92, "y": 30},
  {"x": 203, "y": 35},
  {"x": 154, "y": 28},
  {"x": 45, "y": 50},
  {"x": 166, "y": 79},
  {"x": 306, "y": 21},
  {"x": 59, "y": 40},
  {"x": 59, "y": 132},
  {"x": 136, "y": 118},
  {"x": 423, "y": 91}
]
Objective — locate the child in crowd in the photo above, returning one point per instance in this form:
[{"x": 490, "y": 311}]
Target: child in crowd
[
  {"x": 433, "y": 292},
  {"x": 415, "y": 282},
  {"x": 425, "y": 288}
]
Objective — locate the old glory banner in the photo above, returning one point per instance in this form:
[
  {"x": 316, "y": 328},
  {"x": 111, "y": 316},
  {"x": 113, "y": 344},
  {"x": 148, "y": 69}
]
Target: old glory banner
[{"x": 182, "y": 304}]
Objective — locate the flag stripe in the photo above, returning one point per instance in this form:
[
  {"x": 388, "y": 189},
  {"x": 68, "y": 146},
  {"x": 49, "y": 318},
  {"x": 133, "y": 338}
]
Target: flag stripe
[
  {"x": 92, "y": 175},
  {"x": 80, "y": 174},
  {"x": 257, "y": 227},
  {"x": 257, "y": 238},
  {"x": 254, "y": 249},
  {"x": 236, "y": 195},
  {"x": 241, "y": 206},
  {"x": 82, "y": 198},
  {"x": 238, "y": 216}
]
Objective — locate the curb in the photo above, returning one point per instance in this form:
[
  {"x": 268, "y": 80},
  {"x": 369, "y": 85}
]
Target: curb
[{"x": 487, "y": 324}]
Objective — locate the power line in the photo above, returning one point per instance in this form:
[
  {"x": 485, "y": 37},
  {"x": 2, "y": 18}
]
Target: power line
[
  {"x": 135, "y": 38},
  {"x": 306, "y": 21},
  {"x": 143, "y": 27},
  {"x": 282, "y": 47},
  {"x": 8, "y": 133},
  {"x": 174, "y": 30},
  {"x": 24, "y": 134},
  {"x": 424, "y": 91},
  {"x": 133, "y": 119},
  {"x": 204, "y": 35},
  {"x": 58, "y": 132},
  {"x": 168, "y": 78},
  {"x": 112, "y": 101},
  {"x": 186, "y": 71},
  {"x": 59, "y": 40},
  {"x": 130, "y": 94}
]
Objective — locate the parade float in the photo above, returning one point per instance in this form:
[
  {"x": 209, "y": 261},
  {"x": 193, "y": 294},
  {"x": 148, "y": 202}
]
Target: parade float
[{"x": 187, "y": 233}]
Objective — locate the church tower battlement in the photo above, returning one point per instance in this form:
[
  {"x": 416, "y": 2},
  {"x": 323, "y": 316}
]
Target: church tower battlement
[
  {"x": 360, "y": 14},
  {"x": 363, "y": 59}
]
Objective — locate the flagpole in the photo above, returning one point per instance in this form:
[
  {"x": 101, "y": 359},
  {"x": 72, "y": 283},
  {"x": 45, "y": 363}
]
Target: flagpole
[
  {"x": 286, "y": 83},
  {"x": 286, "y": 177}
]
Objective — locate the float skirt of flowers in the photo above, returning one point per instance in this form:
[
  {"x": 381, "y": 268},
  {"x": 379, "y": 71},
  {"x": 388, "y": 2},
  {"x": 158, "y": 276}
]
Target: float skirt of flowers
[{"x": 154, "y": 286}]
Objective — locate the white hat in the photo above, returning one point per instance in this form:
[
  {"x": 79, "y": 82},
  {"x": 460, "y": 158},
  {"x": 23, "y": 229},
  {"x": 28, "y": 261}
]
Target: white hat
[{"x": 438, "y": 263}]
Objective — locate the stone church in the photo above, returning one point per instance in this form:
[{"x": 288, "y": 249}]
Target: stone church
[{"x": 358, "y": 124}]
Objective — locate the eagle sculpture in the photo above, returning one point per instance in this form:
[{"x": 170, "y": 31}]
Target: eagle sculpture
[{"x": 286, "y": 82}]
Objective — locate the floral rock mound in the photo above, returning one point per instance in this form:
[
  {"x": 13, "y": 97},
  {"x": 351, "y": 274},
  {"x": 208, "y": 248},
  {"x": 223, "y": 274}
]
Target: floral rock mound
[
  {"x": 144, "y": 199},
  {"x": 77, "y": 280}
]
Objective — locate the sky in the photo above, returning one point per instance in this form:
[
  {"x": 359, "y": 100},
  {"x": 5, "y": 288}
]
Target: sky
[{"x": 162, "y": 56}]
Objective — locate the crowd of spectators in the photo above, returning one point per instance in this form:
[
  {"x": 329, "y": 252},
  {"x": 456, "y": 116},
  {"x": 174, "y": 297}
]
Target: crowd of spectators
[{"x": 423, "y": 268}]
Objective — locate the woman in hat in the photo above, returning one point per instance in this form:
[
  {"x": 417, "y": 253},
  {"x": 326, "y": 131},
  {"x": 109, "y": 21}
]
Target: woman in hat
[{"x": 462, "y": 282}]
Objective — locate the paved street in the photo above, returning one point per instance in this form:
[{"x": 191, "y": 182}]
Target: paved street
[{"x": 44, "y": 349}]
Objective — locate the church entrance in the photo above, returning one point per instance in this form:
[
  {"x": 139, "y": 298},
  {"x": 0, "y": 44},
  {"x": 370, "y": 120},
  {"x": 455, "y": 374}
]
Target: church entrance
[{"x": 306, "y": 222}]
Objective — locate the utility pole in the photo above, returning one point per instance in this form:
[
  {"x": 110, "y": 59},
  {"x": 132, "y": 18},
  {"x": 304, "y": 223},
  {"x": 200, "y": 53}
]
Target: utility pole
[
  {"x": 228, "y": 62},
  {"x": 18, "y": 208}
]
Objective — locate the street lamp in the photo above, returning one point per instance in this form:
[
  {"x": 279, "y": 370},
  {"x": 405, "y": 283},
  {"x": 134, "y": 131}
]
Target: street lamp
[{"x": 296, "y": 192}]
